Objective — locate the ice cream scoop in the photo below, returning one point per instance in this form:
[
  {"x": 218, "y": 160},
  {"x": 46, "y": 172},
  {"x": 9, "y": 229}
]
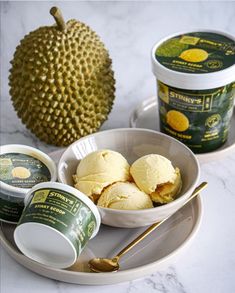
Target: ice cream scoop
[
  {"x": 167, "y": 192},
  {"x": 124, "y": 196},
  {"x": 100, "y": 169},
  {"x": 155, "y": 175}
]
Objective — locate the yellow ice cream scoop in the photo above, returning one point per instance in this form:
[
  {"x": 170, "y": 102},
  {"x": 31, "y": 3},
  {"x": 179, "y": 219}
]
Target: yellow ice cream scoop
[
  {"x": 167, "y": 192},
  {"x": 177, "y": 120},
  {"x": 100, "y": 169},
  {"x": 124, "y": 196},
  {"x": 194, "y": 55},
  {"x": 152, "y": 170},
  {"x": 21, "y": 172}
]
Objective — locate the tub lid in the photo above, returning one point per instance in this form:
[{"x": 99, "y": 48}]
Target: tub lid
[
  {"x": 195, "y": 60},
  {"x": 22, "y": 167}
]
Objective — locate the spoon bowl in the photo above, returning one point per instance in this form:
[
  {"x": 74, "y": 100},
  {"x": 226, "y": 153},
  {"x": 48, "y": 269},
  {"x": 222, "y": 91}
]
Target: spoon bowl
[{"x": 104, "y": 265}]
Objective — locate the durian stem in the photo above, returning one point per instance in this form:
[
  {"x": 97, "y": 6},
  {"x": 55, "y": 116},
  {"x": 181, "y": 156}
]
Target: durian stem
[{"x": 56, "y": 13}]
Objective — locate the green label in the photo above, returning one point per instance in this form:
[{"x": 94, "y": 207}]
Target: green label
[
  {"x": 62, "y": 211},
  {"x": 200, "y": 52},
  {"x": 10, "y": 208},
  {"x": 22, "y": 170},
  {"x": 200, "y": 119}
]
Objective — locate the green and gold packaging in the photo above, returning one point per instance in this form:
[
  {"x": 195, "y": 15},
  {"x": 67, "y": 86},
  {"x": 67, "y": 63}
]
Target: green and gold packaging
[
  {"x": 56, "y": 224},
  {"x": 195, "y": 83},
  {"x": 21, "y": 167}
]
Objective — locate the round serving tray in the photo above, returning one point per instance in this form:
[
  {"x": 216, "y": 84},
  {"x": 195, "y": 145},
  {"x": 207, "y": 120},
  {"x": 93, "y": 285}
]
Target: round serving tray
[{"x": 154, "y": 253}]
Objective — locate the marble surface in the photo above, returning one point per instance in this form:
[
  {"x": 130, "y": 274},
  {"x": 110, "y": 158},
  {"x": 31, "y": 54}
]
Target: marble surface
[{"x": 129, "y": 29}]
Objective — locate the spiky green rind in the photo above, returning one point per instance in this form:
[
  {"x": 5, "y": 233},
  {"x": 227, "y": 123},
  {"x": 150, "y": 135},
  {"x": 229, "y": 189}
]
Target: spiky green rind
[{"x": 61, "y": 83}]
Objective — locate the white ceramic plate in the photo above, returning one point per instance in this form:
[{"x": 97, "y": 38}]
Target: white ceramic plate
[
  {"x": 146, "y": 116},
  {"x": 154, "y": 253}
]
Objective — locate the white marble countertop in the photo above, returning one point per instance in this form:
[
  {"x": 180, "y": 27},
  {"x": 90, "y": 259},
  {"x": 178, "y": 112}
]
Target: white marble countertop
[{"x": 129, "y": 29}]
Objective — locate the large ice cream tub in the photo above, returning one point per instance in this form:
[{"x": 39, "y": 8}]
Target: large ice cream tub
[{"x": 195, "y": 74}]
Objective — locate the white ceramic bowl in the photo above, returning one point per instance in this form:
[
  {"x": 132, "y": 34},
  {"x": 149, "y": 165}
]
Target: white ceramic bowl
[{"x": 132, "y": 144}]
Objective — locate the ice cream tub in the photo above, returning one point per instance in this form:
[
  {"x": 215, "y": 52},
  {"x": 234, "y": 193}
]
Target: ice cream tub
[
  {"x": 21, "y": 167},
  {"x": 195, "y": 74},
  {"x": 56, "y": 224}
]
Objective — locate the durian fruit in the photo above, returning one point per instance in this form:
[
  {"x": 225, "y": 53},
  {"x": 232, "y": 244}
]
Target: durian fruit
[{"x": 61, "y": 81}]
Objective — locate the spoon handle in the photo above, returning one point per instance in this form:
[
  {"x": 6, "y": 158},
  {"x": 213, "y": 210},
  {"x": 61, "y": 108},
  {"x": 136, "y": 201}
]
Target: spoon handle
[{"x": 155, "y": 225}]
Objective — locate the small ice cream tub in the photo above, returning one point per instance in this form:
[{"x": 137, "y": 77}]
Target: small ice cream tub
[
  {"x": 195, "y": 74},
  {"x": 56, "y": 224},
  {"x": 21, "y": 167}
]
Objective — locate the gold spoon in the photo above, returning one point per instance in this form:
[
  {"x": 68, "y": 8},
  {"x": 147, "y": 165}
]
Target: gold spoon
[{"x": 105, "y": 265}]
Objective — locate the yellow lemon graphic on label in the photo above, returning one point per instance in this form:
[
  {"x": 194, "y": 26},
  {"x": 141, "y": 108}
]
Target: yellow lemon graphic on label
[
  {"x": 177, "y": 120},
  {"x": 194, "y": 55},
  {"x": 20, "y": 172}
]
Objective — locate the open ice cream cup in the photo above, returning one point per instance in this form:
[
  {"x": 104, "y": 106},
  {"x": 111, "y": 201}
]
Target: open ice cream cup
[
  {"x": 56, "y": 224},
  {"x": 21, "y": 168}
]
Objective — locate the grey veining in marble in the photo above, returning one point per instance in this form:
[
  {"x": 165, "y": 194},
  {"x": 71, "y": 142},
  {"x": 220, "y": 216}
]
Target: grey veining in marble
[{"x": 129, "y": 29}]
